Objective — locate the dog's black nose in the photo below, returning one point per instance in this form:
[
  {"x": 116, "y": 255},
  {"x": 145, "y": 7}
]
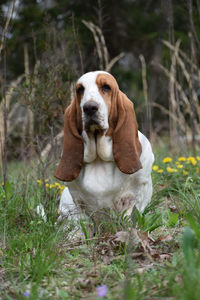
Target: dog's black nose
[{"x": 90, "y": 108}]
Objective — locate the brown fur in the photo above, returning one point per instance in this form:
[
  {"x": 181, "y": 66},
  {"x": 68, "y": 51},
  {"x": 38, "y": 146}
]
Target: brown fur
[
  {"x": 72, "y": 156},
  {"x": 123, "y": 127},
  {"x": 126, "y": 146}
]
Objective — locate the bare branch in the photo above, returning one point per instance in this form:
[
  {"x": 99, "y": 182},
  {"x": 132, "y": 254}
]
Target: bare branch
[
  {"x": 101, "y": 47},
  {"x": 185, "y": 57},
  {"x": 91, "y": 27},
  {"x": 78, "y": 45},
  {"x": 48, "y": 147},
  {"x": 103, "y": 44},
  {"x": 148, "y": 120},
  {"x": 178, "y": 86},
  {"x": 113, "y": 61},
  {"x": 9, "y": 17}
]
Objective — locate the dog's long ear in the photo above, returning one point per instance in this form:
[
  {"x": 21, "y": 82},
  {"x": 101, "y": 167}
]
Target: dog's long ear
[
  {"x": 126, "y": 144},
  {"x": 72, "y": 156}
]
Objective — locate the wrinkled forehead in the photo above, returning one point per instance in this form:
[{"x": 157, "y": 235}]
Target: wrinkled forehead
[{"x": 96, "y": 78}]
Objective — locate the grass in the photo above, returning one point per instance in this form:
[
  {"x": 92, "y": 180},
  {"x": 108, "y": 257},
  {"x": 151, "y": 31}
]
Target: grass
[{"x": 154, "y": 255}]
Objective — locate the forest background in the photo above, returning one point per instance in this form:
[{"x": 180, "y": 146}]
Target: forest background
[{"x": 151, "y": 47}]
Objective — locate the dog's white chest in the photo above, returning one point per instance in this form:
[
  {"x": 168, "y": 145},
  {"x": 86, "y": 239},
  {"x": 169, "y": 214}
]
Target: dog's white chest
[
  {"x": 98, "y": 184},
  {"x": 100, "y": 177}
]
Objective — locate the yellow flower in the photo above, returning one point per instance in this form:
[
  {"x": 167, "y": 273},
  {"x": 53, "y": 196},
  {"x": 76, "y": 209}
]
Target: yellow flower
[
  {"x": 192, "y": 160},
  {"x": 160, "y": 171},
  {"x": 155, "y": 168},
  {"x": 167, "y": 159},
  {"x": 51, "y": 186},
  {"x": 185, "y": 172},
  {"x": 39, "y": 181},
  {"x": 46, "y": 180},
  {"x": 171, "y": 170},
  {"x": 179, "y": 166},
  {"x": 59, "y": 186},
  {"x": 198, "y": 158},
  {"x": 47, "y": 185},
  {"x": 62, "y": 187},
  {"x": 182, "y": 158}
]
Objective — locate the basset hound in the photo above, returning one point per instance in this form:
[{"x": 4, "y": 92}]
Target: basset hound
[{"x": 106, "y": 161}]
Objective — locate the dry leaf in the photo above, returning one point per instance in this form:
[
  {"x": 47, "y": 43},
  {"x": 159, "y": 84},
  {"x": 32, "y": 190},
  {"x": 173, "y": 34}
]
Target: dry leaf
[
  {"x": 166, "y": 256},
  {"x": 137, "y": 254},
  {"x": 122, "y": 236},
  {"x": 163, "y": 238}
]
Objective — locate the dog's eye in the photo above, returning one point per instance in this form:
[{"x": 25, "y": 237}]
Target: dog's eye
[
  {"x": 105, "y": 88},
  {"x": 80, "y": 90}
]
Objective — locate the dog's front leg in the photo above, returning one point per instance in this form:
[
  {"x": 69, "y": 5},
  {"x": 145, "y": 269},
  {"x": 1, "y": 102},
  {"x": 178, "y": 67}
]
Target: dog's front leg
[
  {"x": 90, "y": 152},
  {"x": 67, "y": 207}
]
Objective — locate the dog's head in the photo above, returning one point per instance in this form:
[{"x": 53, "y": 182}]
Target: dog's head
[
  {"x": 99, "y": 107},
  {"x": 93, "y": 91}
]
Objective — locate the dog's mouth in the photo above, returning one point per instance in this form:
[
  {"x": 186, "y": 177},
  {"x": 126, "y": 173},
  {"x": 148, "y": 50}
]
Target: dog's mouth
[{"x": 93, "y": 126}]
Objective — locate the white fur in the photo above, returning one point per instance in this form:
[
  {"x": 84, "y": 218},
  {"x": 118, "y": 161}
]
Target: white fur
[
  {"x": 100, "y": 183},
  {"x": 91, "y": 92},
  {"x": 67, "y": 207}
]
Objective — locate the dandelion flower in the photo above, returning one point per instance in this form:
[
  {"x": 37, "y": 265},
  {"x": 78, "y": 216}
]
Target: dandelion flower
[
  {"x": 167, "y": 159},
  {"x": 182, "y": 158},
  {"x": 160, "y": 171},
  {"x": 185, "y": 172},
  {"x": 171, "y": 170},
  {"x": 198, "y": 158},
  {"x": 192, "y": 160},
  {"x": 102, "y": 291},
  {"x": 179, "y": 166},
  {"x": 155, "y": 168},
  {"x": 62, "y": 187}
]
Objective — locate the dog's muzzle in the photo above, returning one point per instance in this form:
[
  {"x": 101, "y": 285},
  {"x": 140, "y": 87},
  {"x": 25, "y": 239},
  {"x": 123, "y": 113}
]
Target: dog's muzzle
[{"x": 90, "y": 110}]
